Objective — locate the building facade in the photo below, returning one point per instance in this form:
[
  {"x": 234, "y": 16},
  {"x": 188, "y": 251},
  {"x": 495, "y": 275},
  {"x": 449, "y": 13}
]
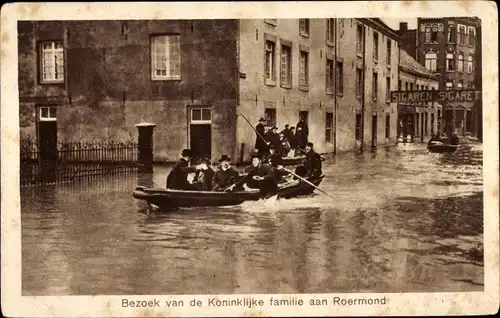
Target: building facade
[
  {"x": 416, "y": 120},
  {"x": 451, "y": 48},
  {"x": 200, "y": 80}
]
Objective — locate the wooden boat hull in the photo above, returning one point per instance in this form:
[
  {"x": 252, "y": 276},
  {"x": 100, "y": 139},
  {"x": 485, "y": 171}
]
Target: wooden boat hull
[
  {"x": 442, "y": 148},
  {"x": 168, "y": 198}
]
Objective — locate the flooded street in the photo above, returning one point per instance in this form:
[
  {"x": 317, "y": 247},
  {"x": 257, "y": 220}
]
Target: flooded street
[{"x": 404, "y": 221}]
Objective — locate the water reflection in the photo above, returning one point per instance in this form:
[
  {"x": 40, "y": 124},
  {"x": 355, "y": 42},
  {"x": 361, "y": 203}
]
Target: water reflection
[{"x": 403, "y": 221}]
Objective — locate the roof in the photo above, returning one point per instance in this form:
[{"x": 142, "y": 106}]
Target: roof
[{"x": 408, "y": 63}]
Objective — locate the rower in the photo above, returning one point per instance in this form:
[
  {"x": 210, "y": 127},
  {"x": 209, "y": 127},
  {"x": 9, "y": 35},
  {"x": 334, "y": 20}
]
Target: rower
[
  {"x": 178, "y": 176},
  {"x": 259, "y": 176},
  {"x": 312, "y": 162}
]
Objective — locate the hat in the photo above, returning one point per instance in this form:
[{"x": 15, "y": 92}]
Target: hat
[
  {"x": 286, "y": 126},
  {"x": 272, "y": 147},
  {"x": 292, "y": 128},
  {"x": 310, "y": 144},
  {"x": 205, "y": 160},
  {"x": 224, "y": 158},
  {"x": 187, "y": 153},
  {"x": 256, "y": 154},
  {"x": 261, "y": 119}
]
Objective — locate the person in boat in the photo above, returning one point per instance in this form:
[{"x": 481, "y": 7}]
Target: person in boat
[
  {"x": 274, "y": 158},
  {"x": 433, "y": 139},
  {"x": 444, "y": 138},
  {"x": 259, "y": 175},
  {"x": 178, "y": 176},
  {"x": 292, "y": 139},
  {"x": 302, "y": 133},
  {"x": 274, "y": 139},
  {"x": 312, "y": 162},
  {"x": 260, "y": 144},
  {"x": 225, "y": 175},
  {"x": 454, "y": 139},
  {"x": 285, "y": 145},
  {"x": 204, "y": 176},
  {"x": 286, "y": 132}
]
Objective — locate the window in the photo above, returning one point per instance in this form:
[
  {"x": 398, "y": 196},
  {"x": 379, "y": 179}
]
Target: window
[
  {"x": 358, "y": 129},
  {"x": 328, "y": 127},
  {"x": 427, "y": 35},
  {"x": 449, "y": 62},
  {"x": 449, "y": 85},
  {"x": 166, "y": 57},
  {"x": 388, "y": 89},
  {"x": 52, "y": 62},
  {"x": 431, "y": 34},
  {"x": 304, "y": 70},
  {"x": 434, "y": 34},
  {"x": 471, "y": 37},
  {"x": 375, "y": 86},
  {"x": 460, "y": 84},
  {"x": 375, "y": 46},
  {"x": 411, "y": 87},
  {"x": 269, "y": 63},
  {"x": 359, "y": 83},
  {"x": 329, "y": 30},
  {"x": 389, "y": 52},
  {"x": 304, "y": 27},
  {"x": 387, "y": 125},
  {"x": 48, "y": 113},
  {"x": 339, "y": 78},
  {"x": 201, "y": 115},
  {"x": 469, "y": 64},
  {"x": 461, "y": 34},
  {"x": 270, "y": 116},
  {"x": 451, "y": 34},
  {"x": 286, "y": 66},
  {"x": 329, "y": 76},
  {"x": 460, "y": 62},
  {"x": 407, "y": 86},
  {"x": 430, "y": 61},
  {"x": 359, "y": 39}
]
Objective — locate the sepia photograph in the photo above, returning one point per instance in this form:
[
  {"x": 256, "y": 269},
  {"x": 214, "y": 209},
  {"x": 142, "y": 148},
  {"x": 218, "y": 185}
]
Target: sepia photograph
[{"x": 261, "y": 164}]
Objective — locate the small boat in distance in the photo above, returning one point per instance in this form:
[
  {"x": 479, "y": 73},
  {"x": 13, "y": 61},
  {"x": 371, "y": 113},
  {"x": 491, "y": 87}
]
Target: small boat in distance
[
  {"x": 170, "y": 198},
  {"x": 441, "y": 147},
  {"x": 292, "y": 161}
]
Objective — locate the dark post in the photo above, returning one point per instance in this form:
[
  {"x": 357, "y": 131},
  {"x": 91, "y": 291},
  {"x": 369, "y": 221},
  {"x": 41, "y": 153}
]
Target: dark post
[{"x": 145, "y": 147}]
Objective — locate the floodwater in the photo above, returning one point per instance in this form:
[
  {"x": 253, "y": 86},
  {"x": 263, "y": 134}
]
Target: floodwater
[{"x": 403, "y": 220}]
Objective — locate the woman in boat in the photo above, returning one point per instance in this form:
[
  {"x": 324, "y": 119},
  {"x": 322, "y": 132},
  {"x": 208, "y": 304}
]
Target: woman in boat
[
  {"x": 178, "y": 176},
  {"x": 225, "y": 175},
  {"x": 204, "y": 176}
]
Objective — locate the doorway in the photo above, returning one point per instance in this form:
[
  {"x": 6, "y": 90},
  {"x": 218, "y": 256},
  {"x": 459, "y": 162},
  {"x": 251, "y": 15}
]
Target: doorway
[
  {"x": 47, "y": 133},
  {"x": 200, "y": 133},
  {"x": 374, "y": 131}
]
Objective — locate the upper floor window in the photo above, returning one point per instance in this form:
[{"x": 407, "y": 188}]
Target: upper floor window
[
  {"x": 375, "y": 86},
  {"x": 431, "y": 34},
  {"x": 359, "y": 39},
  {"x": 304, "y": 27},
  {"x": 450, "y": 62},
  {"x": 339, "y": 78},
  {"x": 329, "y": 29},
  {"x": 304, "y": 70},
  {"x": 460, "y": 62},
  {"x": 329, "y": 76},
  {"x": 359, "y": 83},
  {"x": 472, "y": 36},
  {"x": 451, "y": 34},
  {"x": 469, "y": 64},
  {"x": 52, "y": 62},
  {"x": 165, "y": 57},
  {"x": 375, "y": 46},
  {"x": 388, "y": 52},
  {"x": 449, "y": 85},
  {"x": 431, "y": 61},
  {"x": 461, "y": 34},
  {"x": 286, "y": 66},
  {"x": 270, "y": 61}
]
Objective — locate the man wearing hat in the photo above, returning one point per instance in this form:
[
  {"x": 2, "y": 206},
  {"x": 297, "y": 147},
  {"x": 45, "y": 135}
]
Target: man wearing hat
[
  {"x": 259, "y": 176},
  {"x": 260, "y": 142},
  {"x": 286, "y": 132},
  {"x": 177, "y": 178},
  {"x": 204, "y": 176},
  {"x": 225, "y": 175},
  {"x": 274, "y": 139},
  {"x": 312, "y": 162},
  {"x": 302, "y": 133}
]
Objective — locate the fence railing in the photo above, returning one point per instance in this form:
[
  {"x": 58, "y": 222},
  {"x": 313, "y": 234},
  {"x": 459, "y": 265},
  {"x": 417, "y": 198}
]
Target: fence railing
[{"x": 75, "y": 161}]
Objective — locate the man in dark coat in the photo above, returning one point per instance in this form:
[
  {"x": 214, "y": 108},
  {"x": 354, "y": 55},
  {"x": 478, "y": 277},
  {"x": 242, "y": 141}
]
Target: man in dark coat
[
  {"x": 284, "y": 146},
  {"x": 177, "y": 178},
  {"x": 274, "y": 139},
  {"x": 292, "y": 139},
  {"x": 286, "y": 132},
  {"x": 225, "y": 175},
  {"x": 312, "y": 162},
  {"x": 204, "y": 176},
  {"x": 259, "y": 176},
  {"x": 260, "y": 144},
  {"x": 302, "y": 133},
  {"x": 274, "y": 158}
]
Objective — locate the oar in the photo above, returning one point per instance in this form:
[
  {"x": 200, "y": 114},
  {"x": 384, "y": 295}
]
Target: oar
[
  {"x": 308, "y": 182},
  {"x": 322, "y": 159}
]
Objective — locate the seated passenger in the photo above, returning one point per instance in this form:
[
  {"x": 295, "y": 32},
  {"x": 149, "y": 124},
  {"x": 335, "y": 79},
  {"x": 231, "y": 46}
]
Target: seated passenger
[
  {"x": 259, "y": 176},
  {"x": 225, "y": 175},
  {"x": 178, "y": 176},
  {"x": 204, "y": 176}
]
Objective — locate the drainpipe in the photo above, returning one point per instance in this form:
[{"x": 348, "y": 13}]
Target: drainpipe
[
  {"x": 397, "y": 105},
  {"x": 363, "y": 97},
  {"x": 335, "y": 89}
]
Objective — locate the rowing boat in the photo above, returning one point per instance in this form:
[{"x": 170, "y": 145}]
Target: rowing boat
[
  {"x": 440, "y": 147},
  {"x": 170, "y": 198}
]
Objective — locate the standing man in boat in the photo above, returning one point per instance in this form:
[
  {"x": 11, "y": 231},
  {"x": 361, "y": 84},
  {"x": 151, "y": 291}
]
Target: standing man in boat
[
  {"x": 312, "y": 162},
  {"x": 225, "y": 175},
  {"x": 302, "y": 133},
  {"x": 260, "y": 143},
  {"x": 177, "y": 178},
  {"x": 274, "y": 139},
  {"x": 259, "y": 176}
]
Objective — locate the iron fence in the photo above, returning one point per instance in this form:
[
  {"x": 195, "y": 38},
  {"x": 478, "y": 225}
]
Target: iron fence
[{"x": 76, "y": 161}]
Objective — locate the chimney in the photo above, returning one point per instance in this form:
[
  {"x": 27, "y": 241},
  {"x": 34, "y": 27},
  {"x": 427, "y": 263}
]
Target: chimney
[{"x": 403, "y": 27}]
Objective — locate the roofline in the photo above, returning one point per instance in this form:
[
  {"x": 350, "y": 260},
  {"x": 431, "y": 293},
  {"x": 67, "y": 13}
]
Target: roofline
[
  {"x": 433, "y": 76},
  {"x": 378, "y": 24}
]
